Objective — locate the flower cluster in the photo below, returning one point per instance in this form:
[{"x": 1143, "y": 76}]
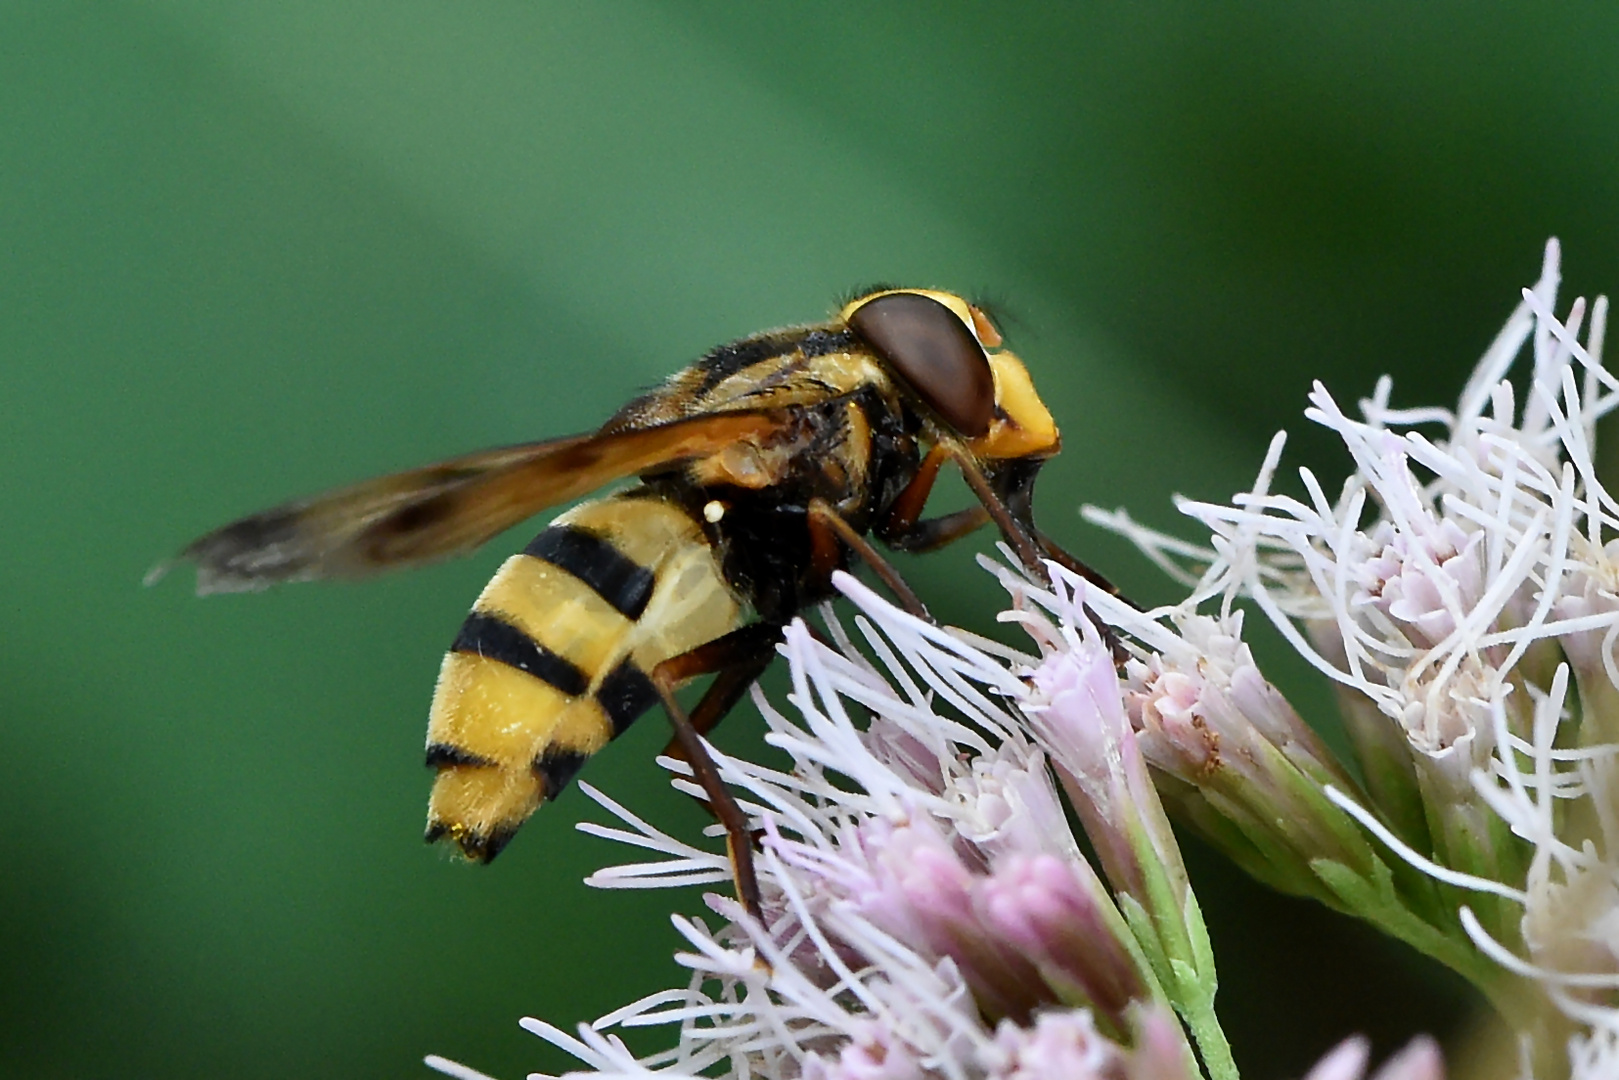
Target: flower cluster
[
  {"x": 1462, "y": 592},
  {"x": 929, "y": 911}
]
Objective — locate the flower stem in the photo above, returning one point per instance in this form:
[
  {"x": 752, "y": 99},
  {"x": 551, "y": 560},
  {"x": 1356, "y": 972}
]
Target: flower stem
[{"x": 1211, "y": 1041}]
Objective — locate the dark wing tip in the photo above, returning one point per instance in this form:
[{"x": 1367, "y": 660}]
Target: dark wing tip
[
  {"x": 212, "y": 579},
  {"x": 158, "y": 572},
  {"x": 245, "y": 556}
]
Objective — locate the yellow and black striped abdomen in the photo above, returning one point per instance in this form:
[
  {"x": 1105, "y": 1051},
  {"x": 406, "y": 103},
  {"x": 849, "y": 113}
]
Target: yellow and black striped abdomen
[{"x": 552, "y": 663}]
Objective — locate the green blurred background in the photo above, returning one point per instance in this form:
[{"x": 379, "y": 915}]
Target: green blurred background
[{"x": 248, "y": 251}]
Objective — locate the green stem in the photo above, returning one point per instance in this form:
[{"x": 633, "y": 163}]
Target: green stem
[
  {"x": 1376, "y": 902},
  {"x": 1211, "y": 1040}
]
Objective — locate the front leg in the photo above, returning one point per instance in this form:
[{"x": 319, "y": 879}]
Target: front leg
[
  {"x": 1020, "y": 537},
  {"x": 1057, "y": 555},
  {"x": 1030, "y": 544}
]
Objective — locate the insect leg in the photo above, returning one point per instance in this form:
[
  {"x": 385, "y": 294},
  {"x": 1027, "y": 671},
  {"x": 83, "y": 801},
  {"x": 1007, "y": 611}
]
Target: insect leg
[
  {"x": 1023, "y": 539},
  {"x": 1013, "y": 487},
  {"x": 908, "y": 506},
  {"x": 738, "y": 658},
  {"x": 1057, "y": 555},
  {"x": 902, "y": 530},
  {"x": 1030, "y": 543},
  {"x": 920, "y": 537},
  {"x": 751, "y": 659},
  {"x": 827, "y": 527}
]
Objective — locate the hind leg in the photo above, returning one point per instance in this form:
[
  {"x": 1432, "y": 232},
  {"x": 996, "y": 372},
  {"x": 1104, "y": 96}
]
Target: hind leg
[{"x": 736, "y": 660}]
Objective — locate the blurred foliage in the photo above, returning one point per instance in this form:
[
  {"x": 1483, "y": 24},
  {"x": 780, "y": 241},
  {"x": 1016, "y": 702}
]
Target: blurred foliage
[{"x": 253, "y": 250}]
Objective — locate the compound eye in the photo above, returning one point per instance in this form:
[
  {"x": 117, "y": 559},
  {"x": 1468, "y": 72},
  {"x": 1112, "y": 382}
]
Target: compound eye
[{"x": 934, "y": 352}]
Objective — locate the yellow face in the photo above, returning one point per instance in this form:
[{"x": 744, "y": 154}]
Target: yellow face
[
  {"x": 1027, "y": 429},
  {"x": 1021, "y": 425}
]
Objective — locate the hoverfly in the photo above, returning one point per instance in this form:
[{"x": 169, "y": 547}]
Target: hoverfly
[{"x": 758, "y": 471}]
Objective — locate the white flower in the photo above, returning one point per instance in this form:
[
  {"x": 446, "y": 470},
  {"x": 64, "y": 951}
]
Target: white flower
[
  {"x": 1466, "y": 557},
  {"x": 1477, "y": 530}
]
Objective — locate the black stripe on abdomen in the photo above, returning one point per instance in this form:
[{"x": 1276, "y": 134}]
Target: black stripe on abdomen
[
  {"x": 612, "y": 575},
  {"x": 625, "y": 694},
  {"x": 444, "y": 756},
  {"x": 496, "y": 639},
  {"x": 556, "y": 767}
]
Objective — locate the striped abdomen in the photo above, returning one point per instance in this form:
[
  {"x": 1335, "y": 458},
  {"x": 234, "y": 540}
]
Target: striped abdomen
[{"x": 553, "y": 661}]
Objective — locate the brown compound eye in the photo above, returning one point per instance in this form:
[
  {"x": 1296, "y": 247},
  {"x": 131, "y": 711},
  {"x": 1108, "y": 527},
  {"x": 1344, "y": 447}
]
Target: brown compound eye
[{"x": 934, "y": 352}]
